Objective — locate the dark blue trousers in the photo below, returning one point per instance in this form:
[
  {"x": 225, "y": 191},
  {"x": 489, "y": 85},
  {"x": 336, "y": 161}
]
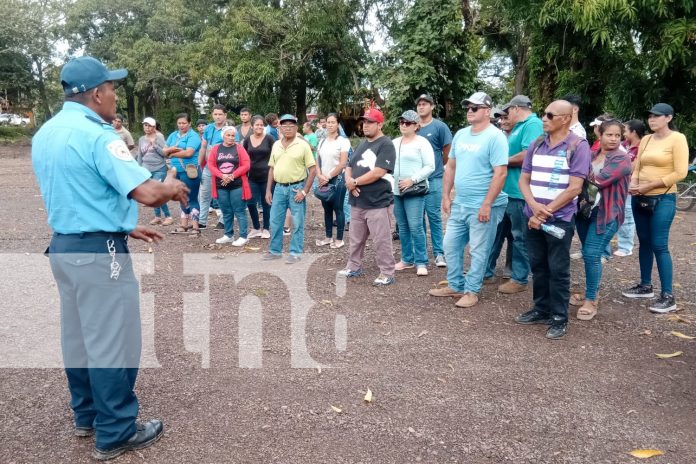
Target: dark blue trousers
[{"x": 100, "y": 332}]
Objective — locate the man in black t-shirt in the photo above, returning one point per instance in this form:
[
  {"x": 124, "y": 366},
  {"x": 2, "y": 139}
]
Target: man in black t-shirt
[{"x": 369, "y": 182}]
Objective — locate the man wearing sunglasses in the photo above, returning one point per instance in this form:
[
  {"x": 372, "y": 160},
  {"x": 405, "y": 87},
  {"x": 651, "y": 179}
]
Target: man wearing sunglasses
[
  {"x": 552, "y": 176},
  {"x": 526, "y": 127},
  {"x": 476, "y": 168}
]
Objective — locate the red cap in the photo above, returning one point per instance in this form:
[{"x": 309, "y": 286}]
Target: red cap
[{"x": 373, "y": 115}]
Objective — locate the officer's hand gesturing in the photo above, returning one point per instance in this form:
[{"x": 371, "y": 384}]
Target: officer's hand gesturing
[
  {"x": 146, "y": 234},
  {"x": 179, "y": 189}
]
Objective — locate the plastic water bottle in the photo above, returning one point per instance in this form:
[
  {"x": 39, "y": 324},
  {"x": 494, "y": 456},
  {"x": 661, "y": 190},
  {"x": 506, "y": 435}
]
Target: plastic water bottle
[{"x": 553, "y": 230}]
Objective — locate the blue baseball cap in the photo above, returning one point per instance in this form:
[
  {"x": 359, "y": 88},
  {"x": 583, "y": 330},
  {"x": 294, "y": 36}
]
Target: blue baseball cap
[
  {"x": 288, "y": 117},
  {"x": 84, "y": 73}
]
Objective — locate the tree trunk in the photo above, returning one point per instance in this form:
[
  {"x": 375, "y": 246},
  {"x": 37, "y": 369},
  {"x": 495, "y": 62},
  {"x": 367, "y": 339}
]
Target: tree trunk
[
  {"x": 522, "y": 68},
  {"x": 301, "y": 97},
  {"x": 285, "y": 96},
  {"x": 130, "y": 105},
  {"x": 42, "y": 88}
]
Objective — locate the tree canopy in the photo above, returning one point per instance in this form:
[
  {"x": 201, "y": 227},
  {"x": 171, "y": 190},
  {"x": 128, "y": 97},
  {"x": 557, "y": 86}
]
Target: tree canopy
[{"x": 619, "y": 56}]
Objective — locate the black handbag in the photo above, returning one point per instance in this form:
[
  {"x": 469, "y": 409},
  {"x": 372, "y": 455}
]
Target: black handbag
[
  {"x": 416, "y": 190},
  {"x": 325, "y": 192}
]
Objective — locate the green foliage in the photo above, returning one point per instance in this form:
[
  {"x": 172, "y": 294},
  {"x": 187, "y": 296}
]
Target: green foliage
[{"x": 433, "y": 53}]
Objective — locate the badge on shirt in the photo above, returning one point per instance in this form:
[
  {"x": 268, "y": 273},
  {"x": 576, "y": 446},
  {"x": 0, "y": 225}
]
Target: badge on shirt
[{"x": 119, "y": 150}]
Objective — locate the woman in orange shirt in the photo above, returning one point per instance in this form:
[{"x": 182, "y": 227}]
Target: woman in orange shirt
[{"x": 662, "y": 161}]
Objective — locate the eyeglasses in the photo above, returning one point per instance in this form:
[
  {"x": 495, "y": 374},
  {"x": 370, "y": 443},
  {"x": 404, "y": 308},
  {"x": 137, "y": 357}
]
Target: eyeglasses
[
  {"x": 407, "y": 123},
  {"x": 550, "y": 115},
  {"x": 474, "y": 109}
]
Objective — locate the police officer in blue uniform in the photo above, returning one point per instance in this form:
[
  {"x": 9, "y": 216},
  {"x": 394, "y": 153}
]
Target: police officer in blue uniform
[{"x": 91, "y": 184}]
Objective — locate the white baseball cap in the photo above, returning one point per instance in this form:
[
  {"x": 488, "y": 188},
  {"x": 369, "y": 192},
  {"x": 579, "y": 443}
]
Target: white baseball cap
[{"x": 150, "y": 121}]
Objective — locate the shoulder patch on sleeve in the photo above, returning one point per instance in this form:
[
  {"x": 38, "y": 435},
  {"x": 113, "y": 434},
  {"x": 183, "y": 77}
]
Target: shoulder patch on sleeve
[{"x": 119, "y": 150}]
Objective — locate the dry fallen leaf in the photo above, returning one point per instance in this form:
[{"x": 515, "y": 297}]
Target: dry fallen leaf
[
  {"x": 422, "y": 333},
  {"x": 368, "y": 396},
  {"x": 645, "y": 453},
  {"x": 338, "y": 410},
  {"x": 451, "y": 367},
  {"x": 670, "y": 355},
  {"x": 677, "y": 285},
  {"x": 647, "y": 332},
  {"x": 676, "y": 318},
  {"x": 252, "y": 248},
  {"x": 327, "y": 302},
  {"x": 440, "y": 379},
  {"x": 681, "y": 335}
]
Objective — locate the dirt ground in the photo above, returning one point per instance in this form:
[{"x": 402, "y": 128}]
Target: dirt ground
[{"x": 449, "y": 385}]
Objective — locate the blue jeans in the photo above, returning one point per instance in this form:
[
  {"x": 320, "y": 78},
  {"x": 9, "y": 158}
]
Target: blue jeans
[
  {"x": 335, "y": 207},
  {"x": 549, "y": 259},
  {"x": 409, "y": 215},
  {"x": 593, "y": 248},
  {"x": 232, "y": 206},
  {"x": 517, "y": 220},
  {"x": 433, "y": 201},
  {"x": 653, "y": 237},
  {"x": 627, "y": 230},
  {"x": 284, "y": 198},
  {"x": 258, "y": 195},
  {"x": 205, "y": 194},
  {"x": 463, "y": 227},
  {"x": 160, "y": 176},
  {"x": 193, "y": 208}
]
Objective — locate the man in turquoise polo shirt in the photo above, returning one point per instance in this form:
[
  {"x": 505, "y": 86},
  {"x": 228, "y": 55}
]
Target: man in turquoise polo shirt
[{"x": 526, "y": 127}]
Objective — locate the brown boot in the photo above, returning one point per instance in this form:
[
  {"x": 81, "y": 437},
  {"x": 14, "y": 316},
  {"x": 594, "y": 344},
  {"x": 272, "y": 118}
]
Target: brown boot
[
  {"x": 444, "y": 291},
  {"x": 511, "y": 287},
  {"x": 467, "y": 300}
]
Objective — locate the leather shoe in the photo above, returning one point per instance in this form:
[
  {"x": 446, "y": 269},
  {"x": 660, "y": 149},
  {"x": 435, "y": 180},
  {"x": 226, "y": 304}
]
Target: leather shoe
[
  {"x": 557, "y": 330},
  {"x": 533, "y": 317},
  {"x": 145, "y": 435}
]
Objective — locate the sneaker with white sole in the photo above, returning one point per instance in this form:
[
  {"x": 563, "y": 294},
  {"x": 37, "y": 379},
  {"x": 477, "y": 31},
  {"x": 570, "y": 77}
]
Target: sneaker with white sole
[
  {"x": 382, "y": 281},
  {"x": 639, "y": 291},
  {"x": 224, "y": 239},
  {"x": 440, "y": 261},
  {"x": 402, "y": 266},
  {"x": 265, "y": 234},
  {"x": 622, "y": 253},
  {"x": 254, "y": 233},
  {"x": 421, "y": 270},
  {"x": 348, "y": 273},
  {"x": 664, "y": 304},
  {"x": 337, "y": 244},
  {"x": 324, "y": 241},
  {"x": 286, "y": 231},
  {"x": 240, "y": 242}
]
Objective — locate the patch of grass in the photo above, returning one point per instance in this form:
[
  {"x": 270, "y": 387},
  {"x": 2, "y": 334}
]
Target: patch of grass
[{"x": 13, "y": 134}]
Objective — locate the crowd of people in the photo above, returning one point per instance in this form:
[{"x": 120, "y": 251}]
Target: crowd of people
[{"x": 509, "y": 176}]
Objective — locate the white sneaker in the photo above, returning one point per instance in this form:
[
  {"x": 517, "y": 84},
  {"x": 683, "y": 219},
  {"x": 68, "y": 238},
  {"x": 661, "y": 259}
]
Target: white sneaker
[
  {"x": 421, "y": 271},
  {"x": 440, "y": 261},
  {"x": 224, "y": 239},
  {"x": 265, "y": 234},
  {"x": 254, "y": 233},
  {"x": 241, "y": 241},
  {"x": 218, "y": 212},
  {"x": 576, "y": 255},
  {"x": 622, "y": 253},
  {"x": 325, "y": 241},
  {"x": 210, "y": 210}
]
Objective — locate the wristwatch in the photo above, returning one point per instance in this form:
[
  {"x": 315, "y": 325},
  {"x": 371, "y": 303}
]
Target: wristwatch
[{"x": 355, "y": 182}]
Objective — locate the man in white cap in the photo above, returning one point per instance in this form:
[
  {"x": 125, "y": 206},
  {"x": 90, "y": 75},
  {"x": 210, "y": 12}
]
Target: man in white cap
[{"x": 477, "y": 169}]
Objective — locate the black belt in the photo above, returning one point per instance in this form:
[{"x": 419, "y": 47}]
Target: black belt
[
  {"x": 291, "y": 183},
  {"x": 115, "y": 235}
]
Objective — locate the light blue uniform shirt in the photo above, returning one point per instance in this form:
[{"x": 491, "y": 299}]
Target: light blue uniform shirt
[
  {"x": 85, "y": 173},
  {"x": 476, "y": 156},
  {"x": 190, "y": 139},
  {"x": 212, "y": 135}
]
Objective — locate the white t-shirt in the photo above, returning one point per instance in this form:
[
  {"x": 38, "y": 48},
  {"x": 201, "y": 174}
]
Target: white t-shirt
[
  {"x": 578, "y": 130},
  {"x": 329, "y": 151}
]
